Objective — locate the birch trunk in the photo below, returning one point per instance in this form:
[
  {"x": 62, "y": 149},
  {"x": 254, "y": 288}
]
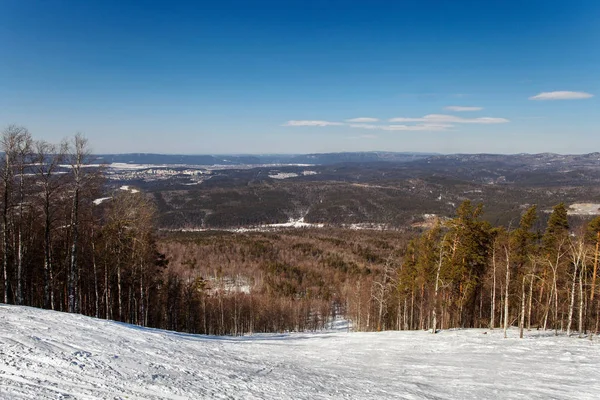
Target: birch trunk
[
  {"x": 437, "y": 284},
  {"x": 578, "y": 253},
  {"x": 581, "y": 302},
  {"x": 522, "y": 321},
  {"x": 572, "y": 299},
  {"x": 73, "y": 267},
  {"x": 5, "y": 233},
  {"x": 529, "y": 303},
  {"x": 20, "y": 246},
  {"x": 47, "y": 261},
  {"x": 96, "y": 289},
  {"x": 493, "y": 302},
  {"x": 506, "y": 286},
  {"x": 119, "y": 294}
]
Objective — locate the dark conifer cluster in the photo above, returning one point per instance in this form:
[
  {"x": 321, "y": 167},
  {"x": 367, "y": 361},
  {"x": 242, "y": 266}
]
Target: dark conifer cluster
[{"x": 466, "y": 273}]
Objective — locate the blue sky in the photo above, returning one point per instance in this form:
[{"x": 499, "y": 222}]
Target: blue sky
[{"x": 300, "y": 76}]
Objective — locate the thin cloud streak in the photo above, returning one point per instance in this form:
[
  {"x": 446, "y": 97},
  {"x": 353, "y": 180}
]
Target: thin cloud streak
[
  {"x": 561, "y": 95},
  {"x": 462, "y": 108},
  {"x": 429, "y": 123},
  {"x": 452, "y": 119},
  {"x": 311, "y": 123},
  {"x": 363, "y": 120},
  {"x": 419, "y": 127}
]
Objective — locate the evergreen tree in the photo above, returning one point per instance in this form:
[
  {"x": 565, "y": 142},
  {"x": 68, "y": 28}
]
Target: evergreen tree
[
  {"x": 557, "y": 228},
  {"x": 468, "y": 249}
]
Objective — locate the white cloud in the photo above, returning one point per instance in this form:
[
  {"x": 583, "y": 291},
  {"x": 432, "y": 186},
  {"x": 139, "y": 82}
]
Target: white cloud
[
  {"x": 363, "y": 126},
  {"x": 452, "y": 119},
  {"x": 311, "y": 123},
  {"x": 419, "y": 127},
  {"x": 363, "y": 120},
  {"x": 561, "y": 95},
  {"x": 428, "y": 123},
  {"x": 462, "y": 108}
]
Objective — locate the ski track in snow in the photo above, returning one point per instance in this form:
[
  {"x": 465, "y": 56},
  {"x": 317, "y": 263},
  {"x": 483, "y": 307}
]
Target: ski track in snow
[{"x": 52, "y": 355}]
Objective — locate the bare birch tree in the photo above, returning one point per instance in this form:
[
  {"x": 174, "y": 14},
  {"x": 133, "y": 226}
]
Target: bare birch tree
[
  {"x": 78, "y": 157},
  {"x": 47, "y": 159},
  {"x": 13, "y": 143}
]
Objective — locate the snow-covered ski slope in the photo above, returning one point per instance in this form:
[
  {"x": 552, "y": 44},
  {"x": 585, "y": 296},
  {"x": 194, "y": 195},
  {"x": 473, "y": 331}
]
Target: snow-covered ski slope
[{"x": 51, "y": 355}]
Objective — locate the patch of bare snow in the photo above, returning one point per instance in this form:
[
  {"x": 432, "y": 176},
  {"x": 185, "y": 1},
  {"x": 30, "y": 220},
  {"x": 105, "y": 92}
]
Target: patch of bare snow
[
  {"x": 229, "y": 285},
  {"x": 295, "y": 223},
  {"x": 584, "y": 209},
  {"x": 123, "y": 166},
  {"x": 292, "y": 223},
  {"x": 367, "y": 226},
  {"x": 129, "y": 189},
  {"x": 82, "y": 166},
  {"x": 283, "y": 175},
  {"x": 101, "y": 200}
]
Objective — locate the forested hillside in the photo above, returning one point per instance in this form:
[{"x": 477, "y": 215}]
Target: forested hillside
[{"x": 462, "y": 272}]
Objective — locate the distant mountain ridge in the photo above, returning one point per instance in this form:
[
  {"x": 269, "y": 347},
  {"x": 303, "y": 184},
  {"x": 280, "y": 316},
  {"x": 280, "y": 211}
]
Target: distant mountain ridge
[
  {"x": 389, "y": 189},
  {"x": 348, "y": 157},
  {"x": 249, "y": 159}
]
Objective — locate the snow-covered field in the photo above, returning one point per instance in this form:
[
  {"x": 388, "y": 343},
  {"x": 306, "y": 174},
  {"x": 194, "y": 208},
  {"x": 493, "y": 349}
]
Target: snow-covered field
[
  {"x": 584, "y": 209},
  {"x": 287, "y": 175},
  {"x": 51, "y": 355}
]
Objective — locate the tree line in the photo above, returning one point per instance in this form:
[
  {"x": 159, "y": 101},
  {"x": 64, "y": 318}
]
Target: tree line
[
  {"x": 62, "y": 249},
  {"x": 464, "y": 272}
]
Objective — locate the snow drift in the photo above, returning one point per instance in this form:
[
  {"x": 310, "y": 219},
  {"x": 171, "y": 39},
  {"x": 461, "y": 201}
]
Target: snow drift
[{"x": 50, "y": 355}]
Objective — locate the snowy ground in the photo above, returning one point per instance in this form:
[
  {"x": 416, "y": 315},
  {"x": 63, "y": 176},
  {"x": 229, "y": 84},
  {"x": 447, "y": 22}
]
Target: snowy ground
[
  {"x": 50, "y": 355},
  {"x": 584, "y": 209}
]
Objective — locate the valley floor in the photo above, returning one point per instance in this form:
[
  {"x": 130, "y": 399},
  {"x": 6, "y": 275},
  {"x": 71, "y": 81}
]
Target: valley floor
[{"x": 51, "y": 355}]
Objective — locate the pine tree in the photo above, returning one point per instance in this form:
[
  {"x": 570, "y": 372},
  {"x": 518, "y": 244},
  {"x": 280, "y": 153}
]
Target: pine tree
[
  {"x": 557, "y": 228},
  {"x": 523, "y": 259},
  {"x": 468, "y": 243}
]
